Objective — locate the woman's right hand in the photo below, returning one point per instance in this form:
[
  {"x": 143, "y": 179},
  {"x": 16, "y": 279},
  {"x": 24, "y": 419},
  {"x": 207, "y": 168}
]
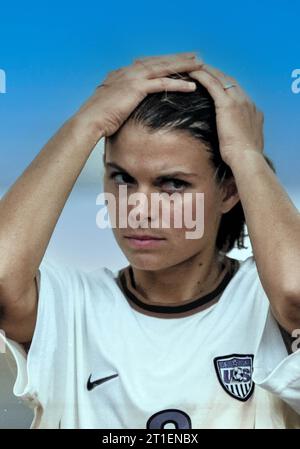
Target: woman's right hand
[{"x": 123, "y": 89}]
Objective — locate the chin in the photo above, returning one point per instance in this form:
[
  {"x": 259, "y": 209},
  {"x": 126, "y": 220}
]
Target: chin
[{"x": 150, "y": 262}]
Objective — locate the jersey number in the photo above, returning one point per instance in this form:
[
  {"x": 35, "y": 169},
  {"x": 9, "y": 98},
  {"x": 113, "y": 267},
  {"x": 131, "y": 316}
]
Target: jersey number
[{"x": 177, "y": 417}]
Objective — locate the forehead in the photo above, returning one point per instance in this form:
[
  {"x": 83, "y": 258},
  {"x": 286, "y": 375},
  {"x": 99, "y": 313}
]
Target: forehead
[{"x": 136, "y": 148}]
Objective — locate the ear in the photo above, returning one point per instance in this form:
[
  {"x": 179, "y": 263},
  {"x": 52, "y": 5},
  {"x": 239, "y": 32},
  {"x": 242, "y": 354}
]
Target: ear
[{"x": 229, "y": 195}]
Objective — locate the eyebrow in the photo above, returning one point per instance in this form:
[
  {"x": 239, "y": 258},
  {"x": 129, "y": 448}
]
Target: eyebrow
[{"x": 167, "y": 174}]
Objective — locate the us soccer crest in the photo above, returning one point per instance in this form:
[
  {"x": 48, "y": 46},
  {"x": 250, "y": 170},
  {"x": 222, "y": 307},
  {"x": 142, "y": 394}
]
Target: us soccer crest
[{"x": 235, "y": 375}]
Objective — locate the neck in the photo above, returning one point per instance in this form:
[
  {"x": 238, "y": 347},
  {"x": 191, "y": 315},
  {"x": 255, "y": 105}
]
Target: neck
[{"x": 189, "y": 279}]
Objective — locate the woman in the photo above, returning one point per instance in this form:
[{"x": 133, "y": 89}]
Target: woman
[{"x": 184, "y": 336}]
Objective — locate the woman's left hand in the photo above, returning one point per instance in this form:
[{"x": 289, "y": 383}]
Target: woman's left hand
[{"x": 239, "y": 122}]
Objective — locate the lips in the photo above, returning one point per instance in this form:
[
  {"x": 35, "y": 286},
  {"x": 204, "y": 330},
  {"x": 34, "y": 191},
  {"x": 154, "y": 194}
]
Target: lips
[
  {"x": 143, "y": 237},
  {"x": 144, "y": 242}
]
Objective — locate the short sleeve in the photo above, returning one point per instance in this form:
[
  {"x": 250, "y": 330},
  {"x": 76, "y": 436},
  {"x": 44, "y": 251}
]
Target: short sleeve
[
  {"x": 41, "y": 372},
  {"x": 275, "y": 370}
]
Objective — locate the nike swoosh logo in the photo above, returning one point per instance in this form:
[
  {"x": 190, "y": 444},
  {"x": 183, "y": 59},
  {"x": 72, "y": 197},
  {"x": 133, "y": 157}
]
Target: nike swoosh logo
[{"x": 92, "y": 384}]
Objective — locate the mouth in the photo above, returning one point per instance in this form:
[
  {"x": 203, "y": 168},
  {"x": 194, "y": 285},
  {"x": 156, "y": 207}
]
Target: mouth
[{"x": 144, "y": 241}]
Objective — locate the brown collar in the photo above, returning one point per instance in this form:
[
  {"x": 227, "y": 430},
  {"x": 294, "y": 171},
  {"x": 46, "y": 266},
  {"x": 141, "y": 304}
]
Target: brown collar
[{"x": 126, "y": 283}]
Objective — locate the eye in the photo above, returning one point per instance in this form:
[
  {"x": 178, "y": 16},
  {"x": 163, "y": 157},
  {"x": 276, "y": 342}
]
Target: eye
[
  {"x": 174, "y": 184},
  {"x": 121, "y": 178}
]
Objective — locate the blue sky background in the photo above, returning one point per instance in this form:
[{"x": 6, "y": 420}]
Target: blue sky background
[{"x": 55, "y": 52}]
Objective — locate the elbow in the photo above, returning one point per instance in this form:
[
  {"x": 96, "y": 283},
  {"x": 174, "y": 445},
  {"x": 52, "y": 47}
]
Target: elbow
[
  {"x": 288, "y": 292},
  {"x": 288, "y": 312},
  {"x": 291, "y": 294},
  {"x": 9, "y": 293}
]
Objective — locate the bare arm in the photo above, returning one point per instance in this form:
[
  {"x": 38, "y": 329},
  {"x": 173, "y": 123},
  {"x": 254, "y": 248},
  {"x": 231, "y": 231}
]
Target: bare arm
[
  {"x": 274, "y": 228},
  {"x": 29, "y": 212},
  {"x": 272, "y": 219}
]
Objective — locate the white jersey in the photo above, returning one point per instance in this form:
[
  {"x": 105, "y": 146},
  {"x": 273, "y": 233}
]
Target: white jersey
[{"x": 99, "y": 359}]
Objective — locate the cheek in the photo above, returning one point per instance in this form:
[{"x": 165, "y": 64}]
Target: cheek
[
  {"x": 202, "y": 210},
  {"x": 211, "y": 212},
  {"x": 209, "y": 206},
  {"x": 189, "y": 214}
]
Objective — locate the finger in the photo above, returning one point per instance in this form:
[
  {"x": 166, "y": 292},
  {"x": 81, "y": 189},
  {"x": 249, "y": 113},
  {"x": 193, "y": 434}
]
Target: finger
[
  {"x": 183, "y": 55},
  {"x": 161, "y": 68},
  {"x": 168, "y": 84},
  {"x": 213, "y": 85},
  {"x": 236, "y": 92},
  {"x": 216, "y": 73}
]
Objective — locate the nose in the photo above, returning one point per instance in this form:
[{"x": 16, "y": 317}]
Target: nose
[{"x": 143, "y": 215}]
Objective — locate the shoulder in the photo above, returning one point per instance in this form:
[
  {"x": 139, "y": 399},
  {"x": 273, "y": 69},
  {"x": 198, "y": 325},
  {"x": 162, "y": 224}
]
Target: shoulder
[
  {"x": 247, "y": 262},
  {"x": 69, "y": 294},
  {"x": 245, "y": 269},
  {"x": 61, "y": 272},
  {"x": 69, "y": 286},
  {"x": 246, "y": 283}
]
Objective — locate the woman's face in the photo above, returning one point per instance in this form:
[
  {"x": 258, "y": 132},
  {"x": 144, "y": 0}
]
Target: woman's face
[{"x": 146, "y": 164}]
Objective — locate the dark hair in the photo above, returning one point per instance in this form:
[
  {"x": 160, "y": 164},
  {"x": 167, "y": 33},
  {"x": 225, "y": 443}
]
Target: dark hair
[{"x": 195, "y": 112}]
